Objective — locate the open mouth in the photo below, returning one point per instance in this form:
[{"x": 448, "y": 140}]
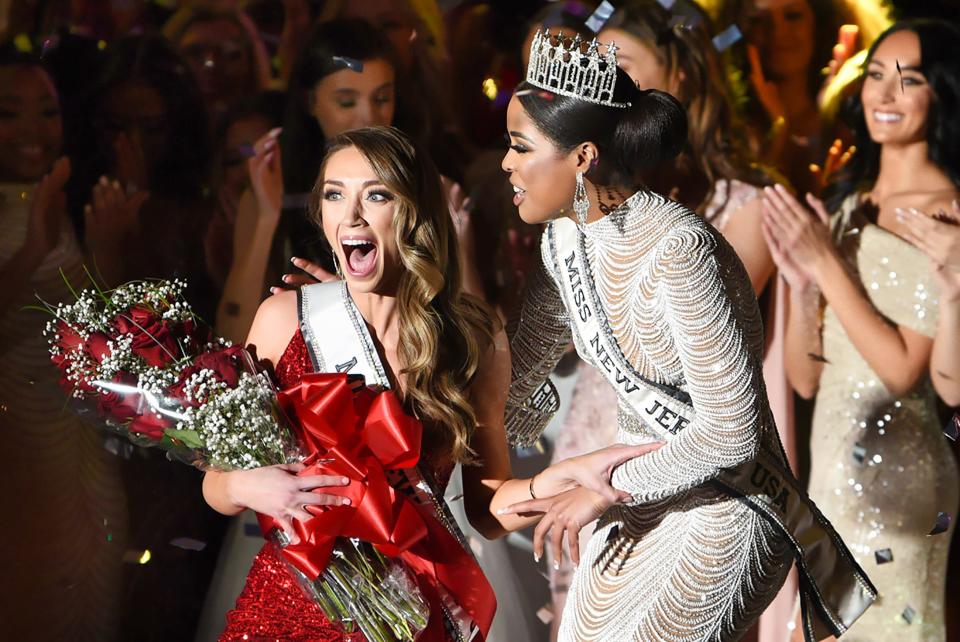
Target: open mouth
[
  {"x": 360, "y": 254},
  {"x": 518, "y": 195}
]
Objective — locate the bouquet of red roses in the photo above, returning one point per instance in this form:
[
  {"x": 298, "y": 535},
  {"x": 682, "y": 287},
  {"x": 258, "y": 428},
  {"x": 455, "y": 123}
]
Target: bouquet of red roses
[{"x": 139, "y": 359}]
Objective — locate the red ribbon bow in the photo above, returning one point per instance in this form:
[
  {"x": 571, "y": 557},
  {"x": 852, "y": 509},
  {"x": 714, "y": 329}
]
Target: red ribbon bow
[{"x": 361, "y": 435}]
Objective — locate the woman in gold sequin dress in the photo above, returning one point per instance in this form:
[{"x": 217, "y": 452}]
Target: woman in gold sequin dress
[
  {"x": 65, "y": 508},
  {"x": 881, "y": 470}
]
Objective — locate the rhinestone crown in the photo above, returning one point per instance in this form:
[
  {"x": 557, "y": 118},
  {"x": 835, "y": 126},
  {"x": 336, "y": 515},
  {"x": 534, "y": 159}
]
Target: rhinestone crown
[{"x": 561, "y": 66}]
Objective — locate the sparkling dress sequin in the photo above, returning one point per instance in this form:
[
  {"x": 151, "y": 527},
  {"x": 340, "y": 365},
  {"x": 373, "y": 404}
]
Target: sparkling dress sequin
[
  {"x": 881, "y": 468},
  {"x": 63, "y": 541},
  {"x": 271, "y": 605},
  {"x": 685, "y": 562}
]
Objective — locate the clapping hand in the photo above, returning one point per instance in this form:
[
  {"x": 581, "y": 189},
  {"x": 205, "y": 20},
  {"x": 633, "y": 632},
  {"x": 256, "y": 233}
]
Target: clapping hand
[
  {"x": 47, "y": 210},
  {"x": 798, "y": 238},
  {"x": 939, "y": 237},
  {"x": 767, "y": 92}
]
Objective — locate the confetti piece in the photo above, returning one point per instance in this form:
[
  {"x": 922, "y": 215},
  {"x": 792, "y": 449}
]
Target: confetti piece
[
  {"x": 952, "y": 429},
  {"x": 908, "y": 614},
  {"x": 883, "y": 556},
  {"x": 727, "y": 38},
  {"x": 942, "y": 525},
  {"x": 188, "y": 544},
  {"x": 350, "y": 63},
  {"x": 599, "y": 17},
  {"x": 859, "y": 453},
  {"x": 545, "y": 614}
]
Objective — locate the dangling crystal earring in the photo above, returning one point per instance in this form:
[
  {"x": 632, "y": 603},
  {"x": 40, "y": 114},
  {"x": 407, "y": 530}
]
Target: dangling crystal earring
[
  {"x": 581, "y": 202},
  {"x": 336, "y": 266}
]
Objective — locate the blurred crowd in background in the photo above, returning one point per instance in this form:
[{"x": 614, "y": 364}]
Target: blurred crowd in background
[{"x": 126, "y": 127}]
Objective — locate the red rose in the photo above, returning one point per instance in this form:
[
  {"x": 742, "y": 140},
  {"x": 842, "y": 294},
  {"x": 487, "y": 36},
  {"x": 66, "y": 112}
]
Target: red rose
[
  {"x": 153, "y": 337},
  {"x": 118, "y": 406},
  {"x": 226, "y": 364},
  {"x": 97, "y": 346},
  {"x": 151, "y": 425}
]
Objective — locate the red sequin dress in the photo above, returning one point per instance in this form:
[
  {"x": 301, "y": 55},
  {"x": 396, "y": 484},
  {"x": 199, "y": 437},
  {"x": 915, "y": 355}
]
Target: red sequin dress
[{"x": 271, "y": 605}]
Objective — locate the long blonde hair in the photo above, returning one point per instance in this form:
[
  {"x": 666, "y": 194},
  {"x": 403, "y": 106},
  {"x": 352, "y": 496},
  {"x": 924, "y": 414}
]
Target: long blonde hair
[{"x": 443, "y": 331}]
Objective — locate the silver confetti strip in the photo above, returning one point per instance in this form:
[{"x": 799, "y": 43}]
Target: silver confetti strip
[
  {"x": 350, "y": 63},
  {"x": 942, "y": 524},
  {"x": 883, "y": 556},
  {"x": 727, "y": 38},
  {"x": 952, "y": 429},
  {"x": 859, "y": 453},
  {"x": 909, "y": 614},
  {"x": 599, "y": 17},
  {"x": 188, "y": 544}
]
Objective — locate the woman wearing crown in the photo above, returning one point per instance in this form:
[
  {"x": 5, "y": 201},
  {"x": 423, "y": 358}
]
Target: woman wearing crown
[{"x": 657, "y": 301}]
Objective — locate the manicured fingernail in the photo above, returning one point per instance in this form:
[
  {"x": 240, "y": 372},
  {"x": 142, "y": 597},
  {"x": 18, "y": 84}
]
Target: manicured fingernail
[
  {"x": 345, "y": 501},
  {"x": 116, "y": 184},
  {"x": 556, "y": 565},
  {"x": 275, "y": 131},
  {"x": 344, "y": 481},
  {"x": 285, "y": 278},
  {"x": 536, "y": 558},
  {"x": 501, "y": 511},
  {"x": 104, "y": 181}
]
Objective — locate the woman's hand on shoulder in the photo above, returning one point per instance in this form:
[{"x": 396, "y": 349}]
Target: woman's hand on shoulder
[
  {"x": 311, "y": 273},
  {"x": 278, "y": 491}
]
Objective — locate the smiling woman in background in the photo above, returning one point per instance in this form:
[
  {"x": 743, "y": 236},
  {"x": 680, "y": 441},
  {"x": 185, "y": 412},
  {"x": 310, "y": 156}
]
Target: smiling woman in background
[{"x": 881, "y": 471}]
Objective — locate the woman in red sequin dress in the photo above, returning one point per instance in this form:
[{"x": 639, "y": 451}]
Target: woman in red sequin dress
[{"x": 400, "y": 302}]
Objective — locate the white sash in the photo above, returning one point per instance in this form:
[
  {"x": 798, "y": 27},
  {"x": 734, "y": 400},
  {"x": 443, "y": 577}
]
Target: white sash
[
  {"x": 338, "y": 341},
  {"x": 834, "y": 589}
]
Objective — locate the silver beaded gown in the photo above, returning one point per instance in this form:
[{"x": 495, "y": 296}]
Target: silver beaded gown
[{"x": 685, "y": 561}]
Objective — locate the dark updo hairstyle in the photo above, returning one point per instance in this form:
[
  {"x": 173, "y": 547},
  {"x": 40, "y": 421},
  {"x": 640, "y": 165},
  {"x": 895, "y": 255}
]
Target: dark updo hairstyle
[
  {"x": 941, "y": 68},
  {"x": 631, "y": 140}
]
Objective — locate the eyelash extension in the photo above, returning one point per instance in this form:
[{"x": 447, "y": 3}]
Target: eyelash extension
[{"x": 520, "y": 149}]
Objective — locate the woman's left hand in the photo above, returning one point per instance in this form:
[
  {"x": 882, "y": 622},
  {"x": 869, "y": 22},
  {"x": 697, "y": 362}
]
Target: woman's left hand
[
  {"x": 938, "y": 236},
  {"x": 563, "y": 514},
  {"x": 802, "y": 235}
]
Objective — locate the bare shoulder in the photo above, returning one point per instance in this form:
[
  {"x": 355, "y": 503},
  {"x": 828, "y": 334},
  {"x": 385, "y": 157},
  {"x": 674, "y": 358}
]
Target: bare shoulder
[{"x": 274, "y": 326}]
